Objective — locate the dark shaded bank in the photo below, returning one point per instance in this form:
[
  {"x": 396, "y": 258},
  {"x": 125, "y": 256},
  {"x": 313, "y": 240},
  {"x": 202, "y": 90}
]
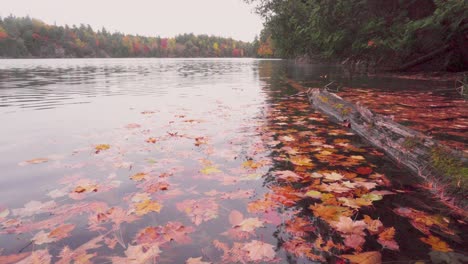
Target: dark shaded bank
[{"x": 444, "y": 170}]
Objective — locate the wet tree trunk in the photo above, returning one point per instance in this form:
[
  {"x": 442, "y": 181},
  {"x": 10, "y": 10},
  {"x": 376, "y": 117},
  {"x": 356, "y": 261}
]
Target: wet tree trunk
[{"x": 407, "y": 146}]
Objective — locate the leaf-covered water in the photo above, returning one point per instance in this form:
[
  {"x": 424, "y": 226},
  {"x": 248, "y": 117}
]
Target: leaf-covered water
[{"x": 197, "y": 161}]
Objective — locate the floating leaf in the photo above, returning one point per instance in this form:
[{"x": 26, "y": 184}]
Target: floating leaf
[
  {"x": 373, "y": 226},
  {"x": 147, "y": 206},
  {"x": 249, "y": 224},
  {"x": 196, "y": 261},
  {"x": 250, "y": 164},
  {"x": 288, "y": 175},
  {"x": 372, "y": 197},
  {"x": 101, "y": 147},
  {"x": 371, "y": 257},
  {"x": 199, "y": 210},
  {"x": 314, "y": 194},
  {"x": 34, "y": 161},
  {"x": 364, "y": 170},
  {"x": 333, "y": 176},
  {"x": 151, "y": 140},
  {"x": 436, "y": 243},
  {"x": 386, "y": 239},
  {"x": 141, "y": 176},
  {"x": 259, "y": 251},
  {"x": 330, "y": 212},
  {"x": 62, "y": 231},
  {"x": 210, "y": 170},
  {"x": 301, "y": 161},
  {"x": 347, "y": 226}
]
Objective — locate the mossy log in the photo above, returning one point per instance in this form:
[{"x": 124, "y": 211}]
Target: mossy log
[{"x": 444, "y": 168}]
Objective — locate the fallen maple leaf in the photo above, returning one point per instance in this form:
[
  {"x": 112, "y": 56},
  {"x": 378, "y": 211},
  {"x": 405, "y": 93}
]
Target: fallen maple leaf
[
  {"x": 175, "y": 231},
  {"x": 147, "y": 206},
  {"x": 364, "y": 170},
  {"x": 196, "y": 261},
  {"x": 301, "y": 161},
  {"x": 386, "y": 239},
  {"x": 86, "y": 188},
  {"x": 210, "y": 170},
  {"x": 62, "y": 231},
  {"x": 333, "y": 176},
  {"x": 330, "y": 212},
  {"x": 259, "y": 251},
  {"x": 34, "y": 161},
  {"x": 288, "y": 176},
  {"x": 370, "y": 257},
  {"x": 436, "y": 243},
  {"x": 101, "y": 147},
  {"x": 249, "y": 224},
  {"x": 151, "y": 140},
  {"x": 149, "y": 235},
  {"x": 139, "y": 176},
  {"x": 140, "y": 254},
  {"x": 346, "y": 225},
  {"x": 374, "y": 226},
  {"x": 250, "y": 164},
  {"x": 199, "y": 210}
]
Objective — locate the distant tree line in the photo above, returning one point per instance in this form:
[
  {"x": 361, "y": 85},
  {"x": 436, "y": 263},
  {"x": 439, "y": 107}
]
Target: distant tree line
[
  {"x": 22, "y": 37},
  {"x": 396, "y": 33}
]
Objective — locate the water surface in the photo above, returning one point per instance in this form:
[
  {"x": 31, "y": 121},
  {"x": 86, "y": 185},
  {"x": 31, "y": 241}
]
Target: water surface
[{"x": 170, "y": 160}]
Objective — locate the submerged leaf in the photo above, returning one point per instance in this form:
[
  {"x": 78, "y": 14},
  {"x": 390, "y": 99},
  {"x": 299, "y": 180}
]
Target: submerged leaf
[{"x": 259, "y": 251}]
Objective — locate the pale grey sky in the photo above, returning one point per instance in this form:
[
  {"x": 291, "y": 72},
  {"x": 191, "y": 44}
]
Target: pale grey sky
[{"x": 166, "y": 18}]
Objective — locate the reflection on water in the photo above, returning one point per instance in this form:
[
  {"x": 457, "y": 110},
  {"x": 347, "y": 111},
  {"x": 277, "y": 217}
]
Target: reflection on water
[{"x": 162, "y": 160}]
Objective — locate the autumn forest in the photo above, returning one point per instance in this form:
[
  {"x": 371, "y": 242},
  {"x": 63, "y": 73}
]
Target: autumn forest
[{"x": 23, "y": 37}]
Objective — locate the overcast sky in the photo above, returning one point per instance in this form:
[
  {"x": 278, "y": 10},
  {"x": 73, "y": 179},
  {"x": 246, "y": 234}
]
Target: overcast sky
[{"x": 165, "y": 18}]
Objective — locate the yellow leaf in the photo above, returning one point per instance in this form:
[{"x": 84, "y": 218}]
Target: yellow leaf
[
  {"x": 436, "y": 244},
  {"x": 139, "y": 176},
  {"x": 250, "y": 164},
  {"x": 61, "y": 231},
  {"x": 210, "y": 170},
  {"x": 301, "y": 161},
  {"x": 101, "y": 147},
  {"x": 147, "y": 206}
]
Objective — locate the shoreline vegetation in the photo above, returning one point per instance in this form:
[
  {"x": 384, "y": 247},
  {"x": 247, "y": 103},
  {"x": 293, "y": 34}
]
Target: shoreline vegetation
[
  {"x": 417, "y": 35},
  {"x": 25, "y": 37}
]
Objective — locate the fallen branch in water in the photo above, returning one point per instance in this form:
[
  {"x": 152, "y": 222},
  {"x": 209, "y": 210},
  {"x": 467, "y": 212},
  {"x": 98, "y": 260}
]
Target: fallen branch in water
[{"x": 424, "y": 156}]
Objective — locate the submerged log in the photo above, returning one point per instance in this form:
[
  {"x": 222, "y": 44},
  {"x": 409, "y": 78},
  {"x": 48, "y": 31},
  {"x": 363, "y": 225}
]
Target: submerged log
[{"x": 423, "y": 155}]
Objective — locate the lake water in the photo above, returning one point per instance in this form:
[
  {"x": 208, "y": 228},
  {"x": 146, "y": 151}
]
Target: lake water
[{"x": 189, "y": 160}]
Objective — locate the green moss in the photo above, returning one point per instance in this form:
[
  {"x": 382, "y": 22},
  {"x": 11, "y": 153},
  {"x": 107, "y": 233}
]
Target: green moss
[
  {"x": 411, "y": 142},
  {"x": 345, "y": 111},
  {"x": 338, "y": 106},
  {"x": 323, "y": 99},
  {"x": 451, "y": 166}
]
